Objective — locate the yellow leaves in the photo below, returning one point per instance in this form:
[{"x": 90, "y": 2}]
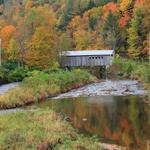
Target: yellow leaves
[
  {"x": 82, "y": 39},
  {"x": 42, "y": 49},
  {"x": 37, "y": 17},
  {"x": 125, "y": 4},
  {"x": 88, "y": 40},
  {"x": 12, "y": 50}
]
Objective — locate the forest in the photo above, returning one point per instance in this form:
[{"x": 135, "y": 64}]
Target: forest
[{"x": 33, "y": 32}]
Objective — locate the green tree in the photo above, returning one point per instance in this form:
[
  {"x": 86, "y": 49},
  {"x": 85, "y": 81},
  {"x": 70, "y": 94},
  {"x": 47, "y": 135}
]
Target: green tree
[
  {"x": 134, "y": 36},
  {"x": 66, "y": 15},
  {"x": 12, "y": 50}
]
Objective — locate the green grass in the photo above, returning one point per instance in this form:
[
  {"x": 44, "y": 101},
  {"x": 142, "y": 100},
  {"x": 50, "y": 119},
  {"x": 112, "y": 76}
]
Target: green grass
[
  {"x": 132, "y": 69},
  {"x": 41, "y": 130},
  {"x": 41, "y": 85}
]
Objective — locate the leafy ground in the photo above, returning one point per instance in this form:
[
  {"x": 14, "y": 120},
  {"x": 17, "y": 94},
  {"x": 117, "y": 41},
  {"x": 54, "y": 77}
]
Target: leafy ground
[
  {"x": 41, "y": 130},
  {"x": 41, "y": 85}
]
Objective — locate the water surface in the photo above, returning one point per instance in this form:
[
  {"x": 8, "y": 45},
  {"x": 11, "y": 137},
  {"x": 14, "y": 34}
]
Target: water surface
[{"x": 123, "y": 120}]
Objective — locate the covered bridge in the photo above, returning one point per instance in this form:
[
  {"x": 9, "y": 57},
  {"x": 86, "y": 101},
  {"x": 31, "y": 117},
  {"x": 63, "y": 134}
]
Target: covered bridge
[{"x": 86, "y": 58}]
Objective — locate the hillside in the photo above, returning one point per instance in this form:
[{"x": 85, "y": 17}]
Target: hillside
[{"x": 30, "y": 28}]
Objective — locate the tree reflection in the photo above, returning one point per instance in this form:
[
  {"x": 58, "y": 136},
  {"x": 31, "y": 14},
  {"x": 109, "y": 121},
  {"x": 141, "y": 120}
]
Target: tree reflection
[{"x": 122, "y": 120}]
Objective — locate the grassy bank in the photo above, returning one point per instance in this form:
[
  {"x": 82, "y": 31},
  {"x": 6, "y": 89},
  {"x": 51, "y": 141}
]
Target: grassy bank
[
  {"x": 41, "y": 85},
  {"x": 41, "y": 130},
  {"x": 132, "y": 69}
]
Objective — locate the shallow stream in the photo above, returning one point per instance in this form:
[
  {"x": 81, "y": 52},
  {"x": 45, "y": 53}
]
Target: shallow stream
[{"x": 113, "y": 111}]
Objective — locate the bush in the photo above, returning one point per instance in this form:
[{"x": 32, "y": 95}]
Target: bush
[
  {"x": 17, "y": 74},
  {"x": 40, "y": 85}
]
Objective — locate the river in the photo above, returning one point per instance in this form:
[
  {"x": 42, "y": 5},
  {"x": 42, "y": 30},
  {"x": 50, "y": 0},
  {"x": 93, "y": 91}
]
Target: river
[{"x": 112, "y": 110}]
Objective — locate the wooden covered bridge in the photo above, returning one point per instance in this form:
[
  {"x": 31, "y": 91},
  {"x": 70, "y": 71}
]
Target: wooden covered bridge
[{"x": 86, "y": 58}]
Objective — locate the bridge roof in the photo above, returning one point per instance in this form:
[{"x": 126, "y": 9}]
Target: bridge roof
[{"x": 88, "y": 53}]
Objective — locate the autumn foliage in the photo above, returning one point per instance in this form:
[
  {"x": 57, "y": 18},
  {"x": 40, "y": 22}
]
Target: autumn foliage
[
  {"x": 72, "y": 25},
  {"x": 110, "y": 7},
  {"x": 6, "y": 34},
  {"x": 124, "y": 20}
]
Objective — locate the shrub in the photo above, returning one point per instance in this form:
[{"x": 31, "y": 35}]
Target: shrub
[
  {"x": 40, "y": 85},
  {"x": 17, "y": 74}
]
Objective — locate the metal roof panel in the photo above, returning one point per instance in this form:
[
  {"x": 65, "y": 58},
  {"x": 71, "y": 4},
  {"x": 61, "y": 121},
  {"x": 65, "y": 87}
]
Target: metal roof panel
[{"x": 87, "y": 53}]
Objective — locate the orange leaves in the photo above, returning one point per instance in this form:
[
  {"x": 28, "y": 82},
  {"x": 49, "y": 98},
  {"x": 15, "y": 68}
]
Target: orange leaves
[
  {"x": 110, "y": 7},
  {"x": 74, "y": 24},
  {"x": 124, "y": 20},
  {"x": 6, "y": 34}
]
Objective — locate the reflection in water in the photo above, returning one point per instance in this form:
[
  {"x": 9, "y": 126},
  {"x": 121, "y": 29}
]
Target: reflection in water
[{"x": 120, "y": 120}]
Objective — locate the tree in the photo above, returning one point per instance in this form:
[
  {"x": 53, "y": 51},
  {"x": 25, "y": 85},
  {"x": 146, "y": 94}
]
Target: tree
[
  {"x": 146, "y": 43},
  {"x": 6, "y": 34},
  {"x": 82, "y": 39},
  {"x": 123, "y": 21},
  {"x": 124, "y": 5},
  {"x": 12, "y": 51},
  {"x": 66, "y": 15},
  {"x": 74, "y": 24},
  {"x": 111, "y": 6},
  {"x": 65, "y": 42},
  {"x": 42, "y": 50},
  {"x": 39, "y": 16},
  {"x": 134, "y": 39},
  {"x": 110, "y": 31}
]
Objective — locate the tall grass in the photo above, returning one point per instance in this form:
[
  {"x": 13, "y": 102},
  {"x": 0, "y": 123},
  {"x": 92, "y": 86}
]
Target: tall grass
[
  {"x": 41, "y": 130},
  {"x": 41, "y": 85}
]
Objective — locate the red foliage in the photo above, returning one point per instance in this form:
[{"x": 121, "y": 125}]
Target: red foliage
[
  {"x": 124, "y": 20},
  {"x": 110, "y": 7}
]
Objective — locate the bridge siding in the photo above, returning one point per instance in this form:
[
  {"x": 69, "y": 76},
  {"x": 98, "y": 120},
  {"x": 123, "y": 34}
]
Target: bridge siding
[{"x": 85, "y": 61}]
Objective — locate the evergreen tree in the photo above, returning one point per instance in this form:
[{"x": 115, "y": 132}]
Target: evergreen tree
[
  {"x": 110, "y": 31},
  {"x": 66, "y": 16}
]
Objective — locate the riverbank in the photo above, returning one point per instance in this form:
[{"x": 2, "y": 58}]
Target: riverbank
[
  {"x": 136, "y": 70},
  {"x": 40, "y": 86},
  {"x": 106, "y": 88},
  {"x": 41, "y": 130}
]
